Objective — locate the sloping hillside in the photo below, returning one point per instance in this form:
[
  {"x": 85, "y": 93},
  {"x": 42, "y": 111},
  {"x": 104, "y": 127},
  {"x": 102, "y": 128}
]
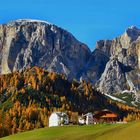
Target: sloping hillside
[
  {"x": 95, "y": 132},
  {"x": 27, "y": 99}
]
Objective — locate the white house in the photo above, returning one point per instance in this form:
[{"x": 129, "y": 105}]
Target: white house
[
  {"x": 89, "y": 118},
  {"x": 86, "y": 119},
  {"x": 81, "y": 120},
  {"x": 58, "y": 119}
]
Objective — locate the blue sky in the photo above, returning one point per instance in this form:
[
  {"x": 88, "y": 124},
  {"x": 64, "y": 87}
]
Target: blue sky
[{"x": 87, "y": 20}]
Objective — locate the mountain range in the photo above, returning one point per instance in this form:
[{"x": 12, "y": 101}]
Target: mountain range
[{"x": 113, "y": 67}]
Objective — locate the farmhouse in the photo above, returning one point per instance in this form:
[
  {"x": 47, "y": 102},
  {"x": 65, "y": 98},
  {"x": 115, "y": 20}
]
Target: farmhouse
[
  {"x": 58, "y": 119},
  {"x": 105, "y": 116},
  {"x": 86, "y": 119}
]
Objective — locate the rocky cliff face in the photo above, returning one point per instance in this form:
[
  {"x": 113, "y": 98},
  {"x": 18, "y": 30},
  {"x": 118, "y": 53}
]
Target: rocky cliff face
[
  {"x": 26, "y": 43},
  {"x": 95, "y": 66},
  {"x": 120, "y": 65},
  {"x": 114, "y": 65}
]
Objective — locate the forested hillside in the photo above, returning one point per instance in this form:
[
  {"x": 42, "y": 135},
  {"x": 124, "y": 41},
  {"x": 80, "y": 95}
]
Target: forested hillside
[{"x": 27, "y": 99}]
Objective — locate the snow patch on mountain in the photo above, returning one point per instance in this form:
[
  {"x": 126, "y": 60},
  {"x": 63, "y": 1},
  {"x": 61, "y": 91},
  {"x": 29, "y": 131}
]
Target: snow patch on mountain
[
  {"x": 114, "y": 98},
  {"x": 33, "y": 20}
]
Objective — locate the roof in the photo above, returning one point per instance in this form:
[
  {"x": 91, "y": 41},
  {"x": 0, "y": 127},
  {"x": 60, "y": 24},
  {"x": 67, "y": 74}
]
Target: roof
[
  {"x": 106, "y": 114},
  {"x": 105, "y": 110},
  {"x": 88, "y": 114},
  {"x": 60, "y": 114},
  {"x": 110, "y": 115}
]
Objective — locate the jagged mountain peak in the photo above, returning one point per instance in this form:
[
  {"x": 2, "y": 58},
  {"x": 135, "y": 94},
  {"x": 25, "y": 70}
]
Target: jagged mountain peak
[
  {"x": 25, "y": 43},
  {"x": 132, "y": 32},
  {"x": 118, "y": 61},
  {"x": 132, "y": 27}
]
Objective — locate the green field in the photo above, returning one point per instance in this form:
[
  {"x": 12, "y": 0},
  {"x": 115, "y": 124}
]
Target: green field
[{"x": 129, "y": 131}]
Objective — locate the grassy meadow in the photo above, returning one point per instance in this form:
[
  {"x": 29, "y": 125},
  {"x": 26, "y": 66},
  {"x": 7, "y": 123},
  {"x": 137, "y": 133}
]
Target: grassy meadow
[{"x": 128, "y": 131}]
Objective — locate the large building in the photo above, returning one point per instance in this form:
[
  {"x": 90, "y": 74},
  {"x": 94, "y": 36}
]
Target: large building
[
  {"x": 58, "y": 119},
  {"x": 105, "y": 116},
  {"x": 86, "y": 119}
]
